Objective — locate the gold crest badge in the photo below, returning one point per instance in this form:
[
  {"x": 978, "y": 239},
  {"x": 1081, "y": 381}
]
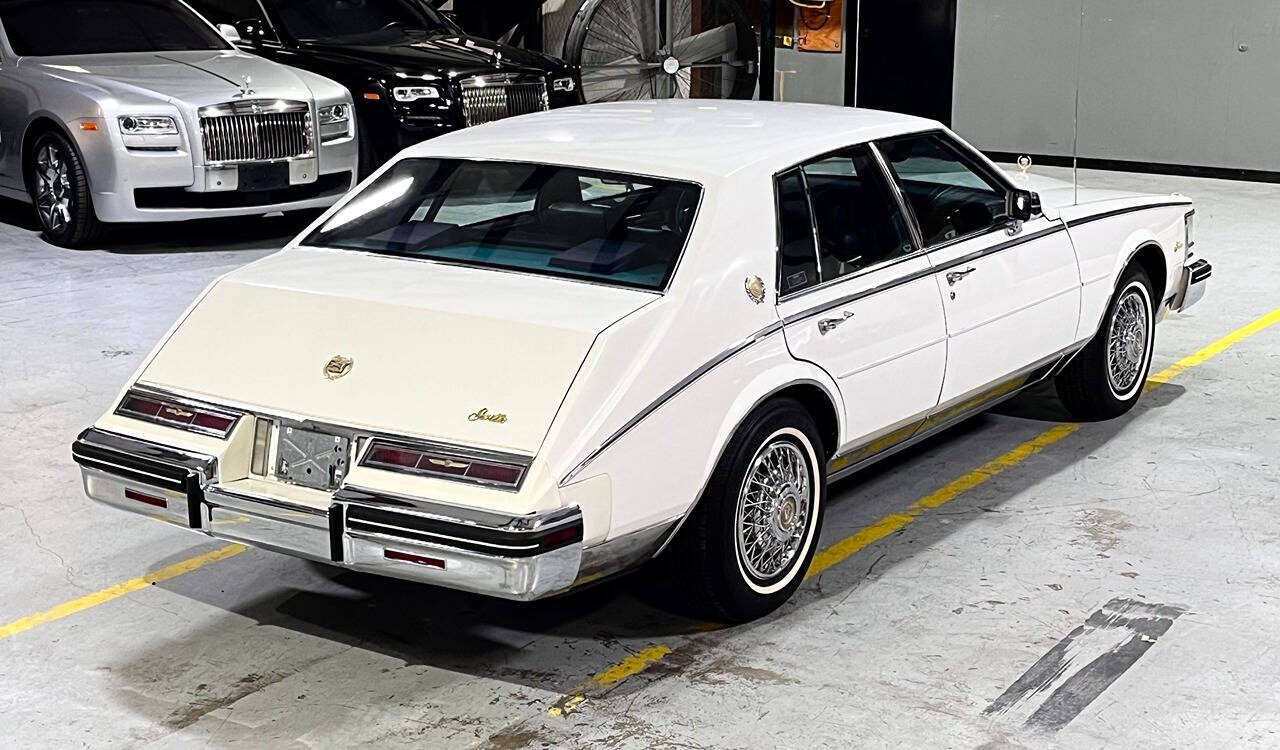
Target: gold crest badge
[
  {"x": 484, "y": 415},
  {"x": 755, "y": 289},
  {"x": 337, "y": 367}
]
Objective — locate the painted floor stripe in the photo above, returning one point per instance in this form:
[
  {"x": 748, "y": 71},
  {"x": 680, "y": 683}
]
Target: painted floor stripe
[
  {"x": 66, "y": 609},
  {"x": 865, "y": 537}
]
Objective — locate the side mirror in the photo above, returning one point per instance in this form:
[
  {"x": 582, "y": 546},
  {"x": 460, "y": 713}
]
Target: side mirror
[
  {"x": 1023, "y": 205},
  {"x": 229, "y": 32},
  {"x": 251, "y": 30}
]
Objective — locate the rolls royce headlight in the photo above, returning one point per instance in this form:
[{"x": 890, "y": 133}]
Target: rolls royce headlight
[
  {"x": 414, "y": 93},
  {"x": 335, "y": 122},
  {"x": 148, "y": 125}
]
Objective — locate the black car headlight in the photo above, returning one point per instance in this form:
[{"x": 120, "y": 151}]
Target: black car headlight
[
  {"x": 335, "y": 122},
  {"x": 406, "y": 94}
]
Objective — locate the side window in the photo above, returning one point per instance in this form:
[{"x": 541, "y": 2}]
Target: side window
[
  {"x": 858, "y": 220},
  {"x": 798, "y": 258},
  {"x": 951, "y": 197}
]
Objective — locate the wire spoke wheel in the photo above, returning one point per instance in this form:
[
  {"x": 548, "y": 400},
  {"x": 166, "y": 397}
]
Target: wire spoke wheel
[
  {"x": 773, "y": 509},
  {"x": 1127, "y": 341},
  {"x": 54, "y": 195},
  {"x": 663, "y": 49}
]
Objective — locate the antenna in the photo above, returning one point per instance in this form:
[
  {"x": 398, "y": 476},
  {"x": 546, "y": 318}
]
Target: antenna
[{"x": 1075, "y": 124}]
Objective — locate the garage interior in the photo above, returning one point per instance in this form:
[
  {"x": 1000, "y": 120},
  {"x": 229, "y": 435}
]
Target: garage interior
[{"x": 1020, "y": 581}]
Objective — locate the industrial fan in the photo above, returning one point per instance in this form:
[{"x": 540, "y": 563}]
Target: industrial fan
[{"x": 663, "y": 49}]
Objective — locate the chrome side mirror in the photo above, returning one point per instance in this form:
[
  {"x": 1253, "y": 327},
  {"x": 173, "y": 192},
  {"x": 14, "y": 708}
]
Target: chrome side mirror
[
  {"x": 1023, "y": 205},
  {"x": 229, "y": 32}
]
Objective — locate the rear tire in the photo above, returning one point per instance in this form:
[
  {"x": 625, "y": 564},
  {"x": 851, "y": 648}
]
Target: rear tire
[
  {"x": 1107, "y": 378},
  {"x": 746, "y": 547},
  {"x": 59, "y": 189}
]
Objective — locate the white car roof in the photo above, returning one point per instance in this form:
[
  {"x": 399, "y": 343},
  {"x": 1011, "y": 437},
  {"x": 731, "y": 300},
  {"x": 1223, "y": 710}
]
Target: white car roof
[{"x": 696, "y": 139}]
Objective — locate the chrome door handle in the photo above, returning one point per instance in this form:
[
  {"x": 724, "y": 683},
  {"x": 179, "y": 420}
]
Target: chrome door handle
[
  {"x": 827, "y": 325},
  {"x": 955, "y": 276}
]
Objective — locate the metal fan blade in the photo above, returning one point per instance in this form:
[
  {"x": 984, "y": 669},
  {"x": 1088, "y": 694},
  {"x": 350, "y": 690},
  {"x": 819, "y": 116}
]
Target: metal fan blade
[{"x": 707, "y": 45}]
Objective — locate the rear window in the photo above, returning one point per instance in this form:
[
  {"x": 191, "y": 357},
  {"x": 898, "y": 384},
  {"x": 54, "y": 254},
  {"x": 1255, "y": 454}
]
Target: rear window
[
  {"x": 90, "y": 27},
  {"x": 549, "y": 220}
]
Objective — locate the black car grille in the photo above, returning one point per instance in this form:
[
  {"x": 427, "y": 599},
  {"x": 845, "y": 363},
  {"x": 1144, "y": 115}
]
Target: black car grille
[
  {"x": 489, "y": 98},
  {"x": 255, "y": 131}
]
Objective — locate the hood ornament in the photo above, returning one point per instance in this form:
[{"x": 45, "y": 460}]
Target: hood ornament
[
  {"x": 337, "y": 366},
  {"x": 245, "y": 83}
]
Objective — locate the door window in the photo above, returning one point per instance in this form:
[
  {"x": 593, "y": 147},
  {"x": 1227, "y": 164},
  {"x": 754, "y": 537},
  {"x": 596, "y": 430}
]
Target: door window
[{"x": 950, "y": 195}]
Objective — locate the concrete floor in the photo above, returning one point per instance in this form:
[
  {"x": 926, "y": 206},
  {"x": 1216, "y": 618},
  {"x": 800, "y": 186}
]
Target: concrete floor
[{"x": 918, "y": 639}]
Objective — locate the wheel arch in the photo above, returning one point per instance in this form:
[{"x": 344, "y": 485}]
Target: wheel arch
[
  {"x": 1150, "y": 257},
  {"x": 40, "y": 124}
]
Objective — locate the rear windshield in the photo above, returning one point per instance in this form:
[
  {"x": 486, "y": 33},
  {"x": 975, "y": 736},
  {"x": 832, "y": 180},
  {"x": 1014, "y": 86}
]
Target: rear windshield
[
  {"x": 89, "y": 27},
  {"x": 549, "y": 220}
]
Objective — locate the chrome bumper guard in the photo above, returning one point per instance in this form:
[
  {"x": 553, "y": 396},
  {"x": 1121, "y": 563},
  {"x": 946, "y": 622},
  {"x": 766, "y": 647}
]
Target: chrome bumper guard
[
  {"x": 513, "y": 557},
  {"x": 1195, "y": 281}
]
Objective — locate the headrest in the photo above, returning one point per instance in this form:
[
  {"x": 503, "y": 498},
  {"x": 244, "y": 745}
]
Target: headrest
[{"x": 580, "y": 220}]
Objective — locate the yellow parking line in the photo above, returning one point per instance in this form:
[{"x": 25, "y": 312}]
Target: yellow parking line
[
  {"x": 850, "y": 545},
  {"x": 66, "y": 609}
]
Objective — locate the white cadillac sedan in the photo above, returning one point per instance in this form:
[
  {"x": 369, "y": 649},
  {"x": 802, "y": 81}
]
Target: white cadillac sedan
[{"x": 526, "y": 356}]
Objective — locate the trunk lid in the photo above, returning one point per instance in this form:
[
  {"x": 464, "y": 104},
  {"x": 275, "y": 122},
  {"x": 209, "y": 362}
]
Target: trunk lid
[{"x": 431, "y": 345}]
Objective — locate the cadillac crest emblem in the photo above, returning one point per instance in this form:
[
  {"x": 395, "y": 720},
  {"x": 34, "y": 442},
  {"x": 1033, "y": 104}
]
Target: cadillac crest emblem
[
  {"x": 755, "y": 289},
  {"x": 337, "y": 367}
]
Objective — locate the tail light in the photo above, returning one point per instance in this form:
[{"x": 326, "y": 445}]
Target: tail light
[
  {"x": 445, "y": 464},
  {"x": 180, "y": 413}
]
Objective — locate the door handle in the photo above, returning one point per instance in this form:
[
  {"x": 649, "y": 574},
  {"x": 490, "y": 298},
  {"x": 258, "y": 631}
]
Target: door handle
[
  {"x": 827, "y": 325},
  {"x": 955, "y": 277}
]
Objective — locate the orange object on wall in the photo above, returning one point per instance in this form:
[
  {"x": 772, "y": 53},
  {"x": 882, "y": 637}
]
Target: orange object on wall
[{"x": 821, "y": 29}]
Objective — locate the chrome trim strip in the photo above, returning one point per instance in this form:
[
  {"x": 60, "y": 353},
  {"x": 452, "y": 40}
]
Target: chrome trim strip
[
  {"x": 1057, "y": 226},
  {"x": 670, "y": 393},
  {"x": 444, "y": 539},
  {"x": 254, "y": 107},
  {"x": 1121, "y": 211},
  {"x": 622, "y": 553},
  {"x": 437, "y": 511}
]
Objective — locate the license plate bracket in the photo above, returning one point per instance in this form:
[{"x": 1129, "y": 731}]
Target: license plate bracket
[
  {"x": 310, "y": 458},
  {"x": 255, "y": 178}
]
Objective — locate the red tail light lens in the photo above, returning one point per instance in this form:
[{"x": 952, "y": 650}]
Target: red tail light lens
[
  {"x": 182, "y": 414},
  {"x": 159, "y": 502},
  {"x": 444, "y": 464},
  {"x": 430, "y": 562}
]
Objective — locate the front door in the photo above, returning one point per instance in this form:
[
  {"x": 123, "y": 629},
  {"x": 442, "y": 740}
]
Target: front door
[
  {"x": 1011, "y": 292},
  {"x": 857, "y": 298}
]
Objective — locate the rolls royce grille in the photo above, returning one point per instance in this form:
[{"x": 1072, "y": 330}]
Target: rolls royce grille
[
  {"x": 489, "y": 98},
  {"x": 256, "y": 131}
]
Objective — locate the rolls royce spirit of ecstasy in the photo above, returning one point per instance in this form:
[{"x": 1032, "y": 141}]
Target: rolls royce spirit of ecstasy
[{"x": 541, "y": 364}]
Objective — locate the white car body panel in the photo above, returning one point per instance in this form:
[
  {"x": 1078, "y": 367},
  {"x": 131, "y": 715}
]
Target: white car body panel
[{"x": 623, "y": 401}]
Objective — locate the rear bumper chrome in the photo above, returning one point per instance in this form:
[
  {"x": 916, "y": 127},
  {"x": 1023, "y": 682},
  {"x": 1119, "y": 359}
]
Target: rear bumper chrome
[
  {"x": 1195, "y": 281},
  {"x": 513, "y": 557}
]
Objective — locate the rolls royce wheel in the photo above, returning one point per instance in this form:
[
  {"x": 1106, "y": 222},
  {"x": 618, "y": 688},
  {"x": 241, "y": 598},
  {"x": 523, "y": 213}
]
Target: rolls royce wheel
[
  {"x": 744, "y": 550},
  {"x": 1106, "y": 379},
  {"x": 59, "y": 188}
]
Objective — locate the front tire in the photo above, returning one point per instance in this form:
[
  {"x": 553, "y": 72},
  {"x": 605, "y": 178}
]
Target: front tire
[
  {"x": 59, "y": 188},
  {"x": 754, "y": 532},
  {"x": 1108, "y": 376}
]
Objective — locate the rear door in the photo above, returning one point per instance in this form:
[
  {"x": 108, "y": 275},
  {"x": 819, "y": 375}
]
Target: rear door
[
  {"x": 857, "y": 297},
  {"x": 1011, "y": 291}
]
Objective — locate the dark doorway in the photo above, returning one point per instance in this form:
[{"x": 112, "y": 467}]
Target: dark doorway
[{"x": 905, "y": 57}]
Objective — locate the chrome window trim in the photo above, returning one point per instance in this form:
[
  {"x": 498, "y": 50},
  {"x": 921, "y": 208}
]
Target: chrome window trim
[
  {"x": 354, "y": 194},
  {"x": 908, "y": 215}
]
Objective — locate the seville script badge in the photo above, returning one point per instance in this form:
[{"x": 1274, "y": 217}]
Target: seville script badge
[
  {"x": 337, "y": 367},
  {"x": 484, "y": 415}
]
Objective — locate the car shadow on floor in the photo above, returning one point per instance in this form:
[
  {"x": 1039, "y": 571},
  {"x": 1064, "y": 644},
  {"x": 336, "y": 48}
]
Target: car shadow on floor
[
  {"x": 236, "y": 233},
  {"x": 555, "y": 645}
]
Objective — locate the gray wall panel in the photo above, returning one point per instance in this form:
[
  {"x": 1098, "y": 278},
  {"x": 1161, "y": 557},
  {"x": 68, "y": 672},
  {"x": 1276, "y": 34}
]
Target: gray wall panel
[{"x": 1160, "y": 80}]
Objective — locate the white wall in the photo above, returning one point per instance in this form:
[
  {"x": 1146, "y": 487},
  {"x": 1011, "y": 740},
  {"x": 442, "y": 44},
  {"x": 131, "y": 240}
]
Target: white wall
[{"x": 1160, "y": 80}]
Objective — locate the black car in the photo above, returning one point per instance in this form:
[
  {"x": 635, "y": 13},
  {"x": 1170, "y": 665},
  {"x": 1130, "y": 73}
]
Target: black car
[{"x": 412, "y": 72}]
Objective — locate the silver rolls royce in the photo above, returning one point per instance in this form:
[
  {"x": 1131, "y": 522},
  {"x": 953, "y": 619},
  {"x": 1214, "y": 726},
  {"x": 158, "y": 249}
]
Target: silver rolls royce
[{"x": 140, "y": 110}]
